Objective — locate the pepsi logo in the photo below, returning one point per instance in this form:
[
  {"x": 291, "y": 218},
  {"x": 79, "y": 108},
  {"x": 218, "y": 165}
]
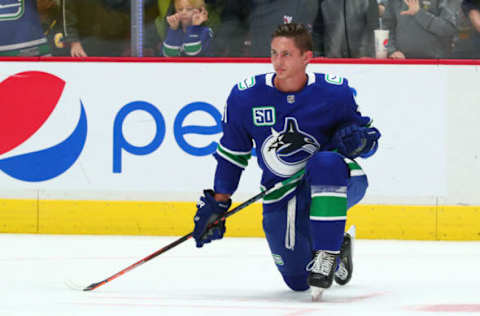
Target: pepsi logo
[
  {"x": 27, "y": 103},
  {"x": 385, "y": 42}
]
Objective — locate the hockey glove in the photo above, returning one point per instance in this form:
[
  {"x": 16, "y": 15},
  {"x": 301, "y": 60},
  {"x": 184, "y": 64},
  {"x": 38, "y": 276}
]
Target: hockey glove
[
  {"x": 353, "y": 141},
  {"x": 208, "y": 211}
]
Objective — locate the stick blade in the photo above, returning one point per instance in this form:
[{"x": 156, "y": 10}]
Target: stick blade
[{"x": 72, "y": 285}]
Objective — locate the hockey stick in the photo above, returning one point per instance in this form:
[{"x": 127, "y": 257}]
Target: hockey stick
[{"x": 293, "y": 179}]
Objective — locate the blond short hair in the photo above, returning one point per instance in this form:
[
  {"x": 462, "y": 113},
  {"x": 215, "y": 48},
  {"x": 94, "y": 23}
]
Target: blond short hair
[{"x": 197, "y": 4}]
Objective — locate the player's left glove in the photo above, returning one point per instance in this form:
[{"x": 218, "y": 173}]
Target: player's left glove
[
  {"x": 353, "y": 141},
  {"x": 208, "y": 211}
]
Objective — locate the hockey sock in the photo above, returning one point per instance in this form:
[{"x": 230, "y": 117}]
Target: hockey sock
[{"x": 328, "y": 214}]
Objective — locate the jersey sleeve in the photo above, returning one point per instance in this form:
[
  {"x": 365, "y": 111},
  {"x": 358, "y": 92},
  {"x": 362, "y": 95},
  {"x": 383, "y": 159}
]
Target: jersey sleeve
[
  {"x": 173, "y": 43},
  {"x": 348, "y": 114},
  {"x": 197, "y": 42},
  {"x": 234, "y": 149}
]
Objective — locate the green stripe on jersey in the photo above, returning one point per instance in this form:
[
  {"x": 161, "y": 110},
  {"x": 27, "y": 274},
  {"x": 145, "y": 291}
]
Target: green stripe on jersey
[
  {"x": 354, "y": 166},
  {"x": 278, "y": 194},
  {"x": 240, "y": 160},
  {"x": 355, "y": 169},
  {"x": 171, "y": 51},
  {"x": 192, "y": 48},
  {"x": 328, "y": 206}
]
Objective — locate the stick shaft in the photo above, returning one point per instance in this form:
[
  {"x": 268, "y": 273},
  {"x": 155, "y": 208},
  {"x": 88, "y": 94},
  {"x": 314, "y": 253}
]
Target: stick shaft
[
  {"x": 177, "y": 242},
  {"x": 93, "y": 286}
]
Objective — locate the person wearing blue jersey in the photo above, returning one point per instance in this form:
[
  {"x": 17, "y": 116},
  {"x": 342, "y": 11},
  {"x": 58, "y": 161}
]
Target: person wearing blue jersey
[
  {"x": 186, "y": 36},
  {"x": 296, "y": 120},
  {"x": 21, "y": 30}
]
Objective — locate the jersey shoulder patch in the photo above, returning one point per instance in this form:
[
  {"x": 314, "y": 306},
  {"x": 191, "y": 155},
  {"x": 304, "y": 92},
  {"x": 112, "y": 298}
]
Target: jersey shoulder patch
[
  {"x": 246, "y": 83},
  {"x": 334, "y": 79}
]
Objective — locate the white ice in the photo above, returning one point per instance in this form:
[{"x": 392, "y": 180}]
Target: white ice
[{"x": 234, "y": 276}]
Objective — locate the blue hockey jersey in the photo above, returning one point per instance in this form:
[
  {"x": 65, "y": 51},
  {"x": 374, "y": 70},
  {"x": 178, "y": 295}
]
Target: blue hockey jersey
[
  {"x": 194, "y": 42},
  {"x": 286, "y": 129},
  {"x": 21, "y": 31}
]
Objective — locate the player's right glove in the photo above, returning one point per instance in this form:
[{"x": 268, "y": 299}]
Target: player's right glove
[
  {"x": 208, "y": 211},
  {"x": 353, "y": 141}
]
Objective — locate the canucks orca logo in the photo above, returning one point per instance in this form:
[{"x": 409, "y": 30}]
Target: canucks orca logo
[
  {"x": 286, "y": 152},
  {"x": 27, "y": 100}
]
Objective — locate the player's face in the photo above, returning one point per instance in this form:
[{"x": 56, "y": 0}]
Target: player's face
[{"x": 287, "y": 59}]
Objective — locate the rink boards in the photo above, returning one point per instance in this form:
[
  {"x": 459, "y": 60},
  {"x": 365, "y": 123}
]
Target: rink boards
[
  {"x": 125, "y": 147},
  {"x": 176, "y": 218}
]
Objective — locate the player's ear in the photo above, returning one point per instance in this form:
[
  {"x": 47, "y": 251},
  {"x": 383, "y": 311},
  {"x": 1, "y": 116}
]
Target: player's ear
[{"x": 307, "y": 56}]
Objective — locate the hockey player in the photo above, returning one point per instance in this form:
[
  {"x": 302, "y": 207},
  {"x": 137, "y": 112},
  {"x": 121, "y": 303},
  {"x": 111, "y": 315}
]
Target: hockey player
[{"x": 296, "y": 120}]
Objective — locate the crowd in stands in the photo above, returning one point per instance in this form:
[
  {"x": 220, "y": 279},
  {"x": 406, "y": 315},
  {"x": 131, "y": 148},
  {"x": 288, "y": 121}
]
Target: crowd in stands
[{"x": 239, "y": 28}]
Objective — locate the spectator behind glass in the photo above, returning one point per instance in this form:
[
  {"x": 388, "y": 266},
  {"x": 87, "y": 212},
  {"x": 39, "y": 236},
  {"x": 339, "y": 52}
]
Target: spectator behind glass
[
  {"x": 232, "y": 32},
  {"x": 186, "y": 36},
  {"x": 266, "y": 15},
  {"x": 382, "y": 4},
  {"x": 102, "y": 27},
  {"x": 471, "y": 41},
  {"x": 51, "y": 19},
  {"x": 167, "y": 8},
  {"x": 347, "y": 27},
  {"x": 419, "y": 28},
  {"x": 21, "y": 32}
]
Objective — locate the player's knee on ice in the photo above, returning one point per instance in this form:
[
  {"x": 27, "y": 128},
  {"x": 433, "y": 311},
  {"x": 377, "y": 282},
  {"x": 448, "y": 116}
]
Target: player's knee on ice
[{"x": 296, "y": 282}]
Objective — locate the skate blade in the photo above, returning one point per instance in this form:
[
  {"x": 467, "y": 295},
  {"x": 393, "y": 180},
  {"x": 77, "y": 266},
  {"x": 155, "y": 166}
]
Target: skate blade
[
  {"x": 317, "y": 293},
  {"x": 352, "y": 231}
]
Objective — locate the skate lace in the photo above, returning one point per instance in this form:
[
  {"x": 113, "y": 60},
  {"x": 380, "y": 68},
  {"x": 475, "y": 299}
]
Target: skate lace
[
  {"x": 321, "y": 263},
  {"x": 342, "y": 272}
]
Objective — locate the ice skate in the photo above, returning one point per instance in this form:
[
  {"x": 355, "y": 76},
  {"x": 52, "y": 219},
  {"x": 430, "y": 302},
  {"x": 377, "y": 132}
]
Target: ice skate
[
  {"x": 345, "y": 267},
  {"x": 322, "y": 270}
]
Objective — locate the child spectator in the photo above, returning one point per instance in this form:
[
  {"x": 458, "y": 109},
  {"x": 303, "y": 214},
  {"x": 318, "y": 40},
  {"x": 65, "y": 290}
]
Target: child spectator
[{"x": 186, "y": 36}]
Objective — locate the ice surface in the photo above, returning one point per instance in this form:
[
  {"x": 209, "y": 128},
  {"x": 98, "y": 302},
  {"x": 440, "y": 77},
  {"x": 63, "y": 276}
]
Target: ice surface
[{"x": 234, "y": 276}]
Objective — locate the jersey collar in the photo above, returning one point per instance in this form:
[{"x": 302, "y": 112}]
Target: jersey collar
[{"x": 269, "y": 79}]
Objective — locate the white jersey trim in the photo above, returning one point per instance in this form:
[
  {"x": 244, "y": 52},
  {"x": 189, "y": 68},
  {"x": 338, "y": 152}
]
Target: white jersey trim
[
  {"x": 330, "y": 194},
  {"x": 356, "y": 173},
  {"x": 233, "y": 152},
  {"x": 311, "y": 78},
  {"x": 230, "y": 160},
  {"x": 280, "y": 198},
  {"x": 24, "y": 44},
  {"x": 328, "y": 218},
  {"x": 269, "y": 79}
]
